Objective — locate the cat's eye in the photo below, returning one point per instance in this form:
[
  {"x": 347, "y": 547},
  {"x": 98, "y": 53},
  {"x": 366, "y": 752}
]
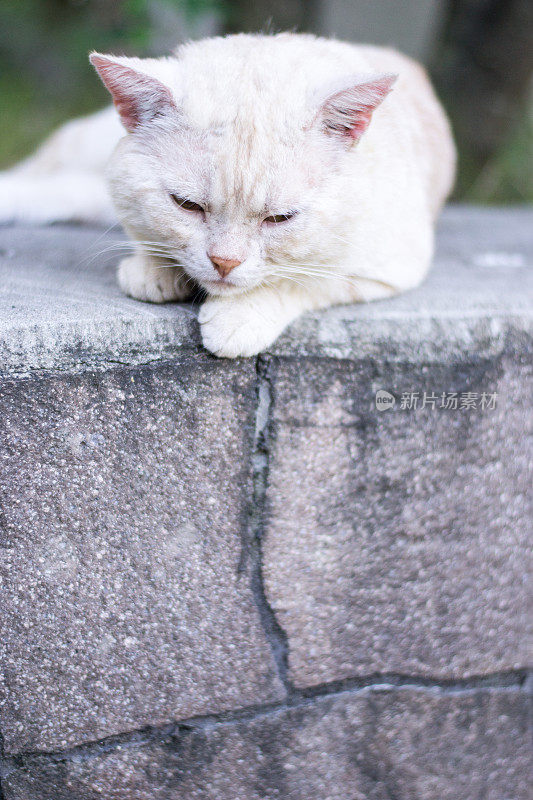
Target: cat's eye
[
  {"x": 187, "y": 205},
  {"x": 275, "y": 219}
]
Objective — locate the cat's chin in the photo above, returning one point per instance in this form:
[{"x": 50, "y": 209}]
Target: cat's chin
[{"x": 222, "y": 288}]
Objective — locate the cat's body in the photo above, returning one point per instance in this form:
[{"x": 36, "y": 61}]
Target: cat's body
[{"x": 268, "y": 166}]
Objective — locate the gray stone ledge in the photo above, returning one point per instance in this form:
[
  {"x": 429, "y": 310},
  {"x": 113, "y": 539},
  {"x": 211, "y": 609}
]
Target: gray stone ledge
[{"x": 61, "y": 307}]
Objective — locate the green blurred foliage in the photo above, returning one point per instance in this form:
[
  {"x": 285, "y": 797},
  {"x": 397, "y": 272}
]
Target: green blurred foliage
[
  {"x": 508, "y": 176},
  {"x": 45, "y": 77}
]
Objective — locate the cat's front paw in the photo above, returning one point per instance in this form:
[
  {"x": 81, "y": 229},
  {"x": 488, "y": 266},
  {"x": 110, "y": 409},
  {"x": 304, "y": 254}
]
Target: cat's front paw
[
  {"x": 233, "y": 327},
  {"x": 153, "y": 284}
]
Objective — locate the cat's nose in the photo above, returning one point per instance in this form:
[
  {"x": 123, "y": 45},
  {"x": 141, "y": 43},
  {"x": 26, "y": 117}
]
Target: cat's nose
[{"x": 224, "y": 265}]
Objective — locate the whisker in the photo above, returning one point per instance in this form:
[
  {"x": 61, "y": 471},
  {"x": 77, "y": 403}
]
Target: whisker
[
  {"x": 340, "y": 238},
  {"x": 293, "y": 279},
  {"x": 125, "y": 247},
  {"x": 312, "y": 272},
  {"x": 104, "y": 233},
  {"x": 347, "y": 278}
]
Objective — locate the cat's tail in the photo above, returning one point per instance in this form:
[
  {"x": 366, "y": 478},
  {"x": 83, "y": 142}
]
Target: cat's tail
[{"x": 63, "y": 180}]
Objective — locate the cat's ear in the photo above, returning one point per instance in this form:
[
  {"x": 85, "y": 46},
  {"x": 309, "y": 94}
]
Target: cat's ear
[
  {"x": 138, "y": 97},
  {"x": 347, "y": 111}
]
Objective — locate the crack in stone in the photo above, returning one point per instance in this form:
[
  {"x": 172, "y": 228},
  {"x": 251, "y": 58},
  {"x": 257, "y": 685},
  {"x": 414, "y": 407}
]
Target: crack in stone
[
  {"x": 99, "y": 364},
  {"x": 515, "y": 681},
  {"x": 2, "y": 760},
  {"x": 275, "y": 635}
]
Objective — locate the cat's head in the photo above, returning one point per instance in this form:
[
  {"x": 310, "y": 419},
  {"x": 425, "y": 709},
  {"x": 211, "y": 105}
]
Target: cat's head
[{"x": 234, "y": 172}]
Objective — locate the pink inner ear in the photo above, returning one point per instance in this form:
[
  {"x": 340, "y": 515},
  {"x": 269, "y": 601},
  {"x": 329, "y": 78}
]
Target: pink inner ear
[
  {"x": 137, "y": 97},
  {"x": 359, "y": 124},
  {"x": 349, "y": 111}
]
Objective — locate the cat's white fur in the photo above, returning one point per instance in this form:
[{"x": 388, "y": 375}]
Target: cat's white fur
[{"x": 248, "y": 127}]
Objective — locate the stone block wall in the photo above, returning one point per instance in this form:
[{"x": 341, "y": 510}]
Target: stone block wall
[{"x": 240, "y": 580}]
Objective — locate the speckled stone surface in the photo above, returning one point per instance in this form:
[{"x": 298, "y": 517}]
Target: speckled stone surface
[
  {"x": 406, "y": 547},
  {"x": 405, "y": 744},
  {"x": 124, "y": 500},
  {"x": 203, "y": 562}
]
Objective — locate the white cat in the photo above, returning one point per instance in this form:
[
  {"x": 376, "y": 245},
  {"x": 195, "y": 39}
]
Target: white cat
[{"x": 280, "y": 173}]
